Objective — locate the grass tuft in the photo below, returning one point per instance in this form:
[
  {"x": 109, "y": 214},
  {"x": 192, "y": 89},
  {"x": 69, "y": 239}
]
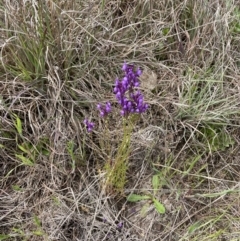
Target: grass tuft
[{"x": 174, "y": 176}]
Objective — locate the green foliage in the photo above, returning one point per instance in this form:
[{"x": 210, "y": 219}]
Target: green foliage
[
  {"x": 77, "y": 155},
  {"x": 70, "y": 147},
  {"x": 116, "y": 174},
  {"x": 4, "y": 237},
  {"x": 28, "y": 153},
  {"x": 205, "y": 107},
  {"x": 190, "y": 163},
  {"x": 216, "y": 138},
  {"x": 25, "y": 161},
  {"x": 165, "y": 31},
  {"x": 29, "y": 60},
  {"x": 195, "y": 230},
  {"x": 117, "y": 169},
  {"x": 187, "y": 18},
  {"x": 33, "y": 43},
  {"x": 55, "y": 200},
  {"x": 25, "y": 236},
  {"x": 159, "y": 207},
  {"x": 28, "y": 52},
  {"x": 18, "y": 124},
  {"x": 235, "y": 24},
  {"x": 161, "y": 50},
  {"x": 194, "y": 227},
  {"x": 38, "y": 231},
  {"x": 138, "y": 197},
  {"x": 17, "y": 188},
  {"x": 43, "y": 42},
  {"x": 19, "y": 233}
]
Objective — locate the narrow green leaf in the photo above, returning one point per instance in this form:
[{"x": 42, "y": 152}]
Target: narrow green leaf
[
  {"x": 23, "y": 149},
  {"x": 193, "y": 227},
  {"x": 217, "y": 194},
  {"x": 28, "y": 149},
  {"x": 136, "y": 197},
  {"x": 25, "y": 160},
  {"x": 155, "y": 183},
  {"x": 18, "y": 230},
  {"x": 70, "y": 148},
  {"x": 165, "y": 31},
  {"x": 159, "y": 207},
  {"x": 18, "y": 124},
  {"x": 37, "y": 221},
  {"x": 56, "y": 200},
  {"x": 45, "y": 152},
  {"x": 192, "y": 163},
  {"x": 3, "y": 237},
  {"x": 38, "y": 232}
]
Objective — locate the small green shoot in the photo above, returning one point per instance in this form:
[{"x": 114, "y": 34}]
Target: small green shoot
[
  {"x": 137, "y": 197},
  {"x": 30, "y": 152},
  {"x": 159, "y": 206},
  {"x": 216, "y": 138},
  {"x": 20, "y": 232},
  {"x": 17, "y": 188},
  {"x": 25, "y": 161},
  {"x": 38, "y": 231},
  {"x": 18, "y": 124},
  {"x": 28, "y": 149},
  {"x": 191, "y": 163},
  {"x": 4, "y": 237},
  {"x": 116, "y": 172},
  {"x": 235, "y": 25},
  {"x": 194, "y": 227},
  {"x": 55, "y": 200}
]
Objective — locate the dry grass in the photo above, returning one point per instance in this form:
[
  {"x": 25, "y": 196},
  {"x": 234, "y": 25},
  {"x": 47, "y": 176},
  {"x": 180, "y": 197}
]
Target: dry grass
[{"x": 58, "y": 59}]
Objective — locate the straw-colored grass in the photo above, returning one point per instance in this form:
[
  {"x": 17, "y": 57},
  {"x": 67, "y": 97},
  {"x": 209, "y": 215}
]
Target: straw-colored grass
[{"x": 58, "y": 59}]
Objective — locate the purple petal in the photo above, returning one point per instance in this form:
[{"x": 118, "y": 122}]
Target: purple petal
[
  {"x": 108, "y": 107},
  {"x": 124, "y": 67},
  {"x": 139, "y": 72},
  {"x": 120, "y": 225},
  {"x": 122, "y": 112}
]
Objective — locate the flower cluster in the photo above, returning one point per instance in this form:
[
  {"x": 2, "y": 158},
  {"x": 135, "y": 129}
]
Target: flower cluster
[
  {"x": 104, "y": 110},
  {"x": 128, "y": 96},
  {"x": 89, "y": 125}
]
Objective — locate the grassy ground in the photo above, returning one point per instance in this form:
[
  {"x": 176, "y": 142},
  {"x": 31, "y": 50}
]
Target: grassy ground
[{"x": 58, "y": 59}]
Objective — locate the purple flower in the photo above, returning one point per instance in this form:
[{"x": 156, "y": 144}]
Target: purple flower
[
  {"x": 139, "y": 72},
  {"x": 128, "y": 96},
  {"x": 89, "y": 125},
  {"x": 104, "y": 110},
  {"x": 120, "y": 225},
  {"x": 124, "y": 67},
  {"x": 104, "y": 220}
]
